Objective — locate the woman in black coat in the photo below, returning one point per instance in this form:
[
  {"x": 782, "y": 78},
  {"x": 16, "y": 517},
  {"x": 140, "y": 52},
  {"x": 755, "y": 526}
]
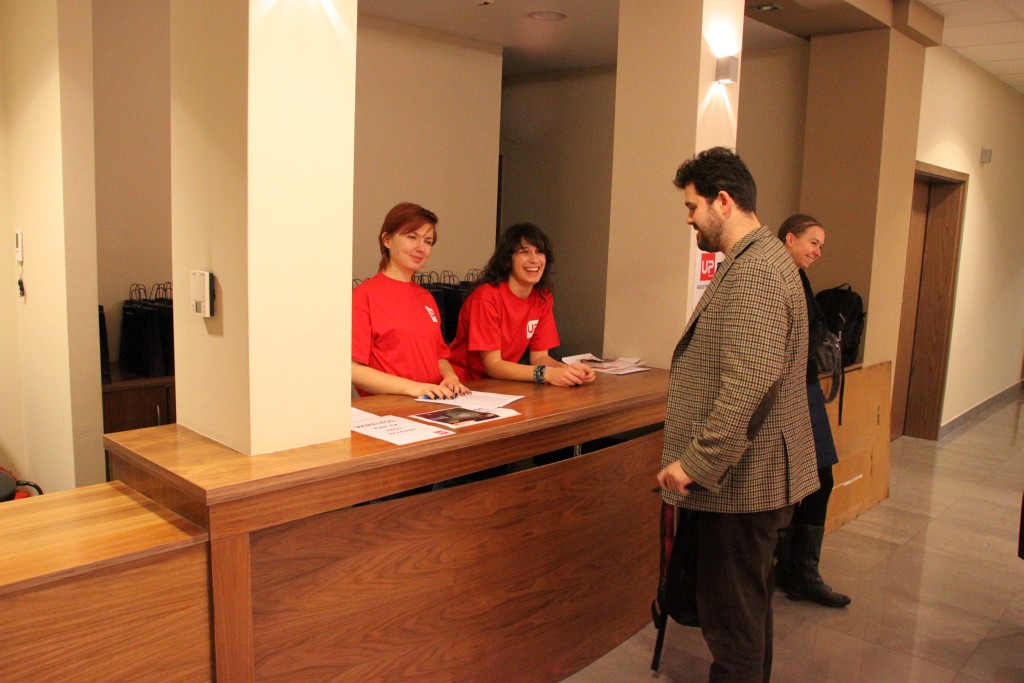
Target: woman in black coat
[{"x": 799, "y": 546}]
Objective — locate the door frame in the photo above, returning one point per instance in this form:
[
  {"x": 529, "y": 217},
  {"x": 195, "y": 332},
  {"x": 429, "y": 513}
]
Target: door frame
[{"x": 929, "y": 295}]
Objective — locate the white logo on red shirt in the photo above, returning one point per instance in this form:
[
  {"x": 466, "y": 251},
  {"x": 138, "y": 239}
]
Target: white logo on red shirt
[
  {"x": 531, "y": 327},
  {"x": 430, "y": 312}
]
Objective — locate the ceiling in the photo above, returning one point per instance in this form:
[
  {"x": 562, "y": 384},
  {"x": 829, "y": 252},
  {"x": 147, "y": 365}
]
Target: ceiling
[{"x": 989, "y": 33}]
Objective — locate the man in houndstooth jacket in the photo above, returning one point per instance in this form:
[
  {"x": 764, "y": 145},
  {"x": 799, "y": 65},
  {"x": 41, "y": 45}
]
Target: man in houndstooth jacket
[{"x": 738, "y": 444}]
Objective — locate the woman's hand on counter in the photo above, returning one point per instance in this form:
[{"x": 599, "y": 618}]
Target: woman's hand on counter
[{"x": 568, "y": 375}]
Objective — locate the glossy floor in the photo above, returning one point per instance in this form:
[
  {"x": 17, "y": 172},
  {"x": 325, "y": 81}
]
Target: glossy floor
[{"x": 937, "y": 587}]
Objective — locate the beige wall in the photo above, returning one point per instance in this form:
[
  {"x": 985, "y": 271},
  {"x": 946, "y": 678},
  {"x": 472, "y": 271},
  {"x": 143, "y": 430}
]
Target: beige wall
[
  {"x": 209, "y": 70},
  {"x": 988, "y": 322},
  {"x": 858, "y": 169},
  {"x": 262, "y": 116},
  {"x": 132, "y": 90},
  {"x": 13, "y": 454},
  {"x": 48, "y": 97},
  {"x": 556, "y": 146},
  {"x": 428, "y": 108},
  {"x": 770, "y": 136},
  {"x": 842, "y": 151},
  {"x": 895, "y": 191},
  {"x": 79, "y": 183},
  {"x": 662, "y": 61}
]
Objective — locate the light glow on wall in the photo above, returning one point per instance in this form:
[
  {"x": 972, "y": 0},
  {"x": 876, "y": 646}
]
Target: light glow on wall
[{"x": 722, "y": 39}]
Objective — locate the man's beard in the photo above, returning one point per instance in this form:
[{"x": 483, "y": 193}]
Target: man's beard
[{"x": 710, "y": 234}]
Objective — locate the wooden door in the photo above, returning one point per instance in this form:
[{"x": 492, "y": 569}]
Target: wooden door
[
  {"x": 908, "y": 316},
  {"x": 933, "y": 252}
]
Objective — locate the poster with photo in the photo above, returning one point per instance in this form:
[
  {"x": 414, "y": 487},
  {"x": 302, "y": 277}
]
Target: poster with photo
[{"x": 463, "y": 417}]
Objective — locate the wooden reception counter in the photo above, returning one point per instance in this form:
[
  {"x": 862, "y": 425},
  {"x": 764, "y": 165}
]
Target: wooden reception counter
[
  {"x": 100, "y": 583},
  {"x": 526, "y": 576}
]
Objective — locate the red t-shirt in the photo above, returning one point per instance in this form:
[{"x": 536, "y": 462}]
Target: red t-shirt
[
  {"x": 494, "y": 318},
  {"x": 396, "y": 329}
]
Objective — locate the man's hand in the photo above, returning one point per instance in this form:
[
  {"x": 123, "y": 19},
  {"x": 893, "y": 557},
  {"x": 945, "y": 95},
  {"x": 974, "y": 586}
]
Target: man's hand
[{"x": 673, "y": 478}]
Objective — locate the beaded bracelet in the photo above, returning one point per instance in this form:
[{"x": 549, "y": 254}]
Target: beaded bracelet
[{"x": 538, "y": 374}]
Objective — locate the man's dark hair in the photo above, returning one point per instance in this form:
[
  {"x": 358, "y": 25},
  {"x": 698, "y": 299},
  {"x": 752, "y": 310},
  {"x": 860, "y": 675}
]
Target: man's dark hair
[
  {"x": 717, "y": 169},
  {"x": 499, "y": 267}
]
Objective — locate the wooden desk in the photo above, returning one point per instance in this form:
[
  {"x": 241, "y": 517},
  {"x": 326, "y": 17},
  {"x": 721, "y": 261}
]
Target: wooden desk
[
  {"x": 101, "y": 584},
  {"x": 133, "y": 402},
  {"x": 525, "y": 577}
]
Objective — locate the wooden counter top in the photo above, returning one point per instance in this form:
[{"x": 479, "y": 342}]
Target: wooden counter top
[
  {"x": 193, "y": 474},
  {"x": 73, "y": 532},
  {"x": 203, "y": 465}
]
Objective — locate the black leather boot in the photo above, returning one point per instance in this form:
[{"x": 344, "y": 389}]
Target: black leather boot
[
  {"x": 806, "y": 583},
  {"x": 784, "y": 557}
]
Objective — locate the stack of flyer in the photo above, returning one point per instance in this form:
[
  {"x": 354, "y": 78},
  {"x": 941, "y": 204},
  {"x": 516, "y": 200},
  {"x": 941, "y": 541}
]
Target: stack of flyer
[
  {"x": 619, "y": 366},
  {"x": 472, "y": 409}
]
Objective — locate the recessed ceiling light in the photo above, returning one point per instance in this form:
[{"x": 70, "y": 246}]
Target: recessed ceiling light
[
  {"x": 766, "y": 7},
  {"x": 546, "y": 16}
]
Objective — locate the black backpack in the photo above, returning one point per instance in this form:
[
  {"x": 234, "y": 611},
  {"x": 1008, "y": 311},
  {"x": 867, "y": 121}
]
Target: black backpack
[{"x": 844, "y": 313}]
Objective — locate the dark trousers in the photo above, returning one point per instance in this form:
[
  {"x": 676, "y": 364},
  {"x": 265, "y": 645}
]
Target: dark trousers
[
  {"x": 734, "y": 591},
  {"x": 811, "y": 511}
]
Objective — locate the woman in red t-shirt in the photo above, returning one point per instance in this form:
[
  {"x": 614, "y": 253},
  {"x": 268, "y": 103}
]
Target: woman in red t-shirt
[
  {"x": 397, "y": 347},
  {"x": 510, "y": 312}
]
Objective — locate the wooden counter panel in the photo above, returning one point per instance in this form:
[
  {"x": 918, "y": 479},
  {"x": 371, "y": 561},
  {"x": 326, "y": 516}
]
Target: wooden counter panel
[
  {"x": 525, "y": 577},
  {"x": 862, "y": 473},
  {"x": 189, "y": 505},
  {"x": 232, "y": 608},
  {"x": 138, "y": 621},
  {"x": 214, "y": 473},
  {"x": 72, "y": 532},
  {"x": 468, "y": 453}
]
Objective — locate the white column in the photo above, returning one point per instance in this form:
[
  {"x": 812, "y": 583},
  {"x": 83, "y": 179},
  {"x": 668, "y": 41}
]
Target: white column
[
  {"x": 667, "y": 107},
  {"x": 262, "y": 127}
]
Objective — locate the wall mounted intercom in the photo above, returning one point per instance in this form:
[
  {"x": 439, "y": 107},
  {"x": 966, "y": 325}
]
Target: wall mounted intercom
[{"x": 202, "y": 293}]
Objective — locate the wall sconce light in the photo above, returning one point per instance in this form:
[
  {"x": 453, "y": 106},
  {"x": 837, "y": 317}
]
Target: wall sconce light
[
  {"x": 986, "y": 155},
  {"x": 727, "y": 69}
]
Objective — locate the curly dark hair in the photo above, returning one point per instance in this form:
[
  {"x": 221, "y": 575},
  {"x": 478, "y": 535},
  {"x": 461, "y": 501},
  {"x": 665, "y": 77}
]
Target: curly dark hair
[
  {"x": 717, "y": 169},
  {"x": 499, "y": 266}
]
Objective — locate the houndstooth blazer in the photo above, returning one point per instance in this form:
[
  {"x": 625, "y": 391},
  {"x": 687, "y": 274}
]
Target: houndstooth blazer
[{"x": 737, "y": 416}]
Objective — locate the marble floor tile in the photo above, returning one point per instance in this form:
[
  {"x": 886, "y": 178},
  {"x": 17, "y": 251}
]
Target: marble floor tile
[
  {"x": 999, "y": 657},
  {"x": 976, "y": 544},
  {"x": 889, "y": 523},
  {"x": 852, "y": 552},
  {"x": 998, "y": 515},
  {"x": 816, "y": 653},
  {"x": 961, "y": 583}
]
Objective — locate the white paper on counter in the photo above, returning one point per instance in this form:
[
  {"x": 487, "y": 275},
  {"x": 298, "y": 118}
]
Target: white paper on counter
[
  {"x": 360, "y": 415},
  {"x": 478, "y": 400},
  {"x": 397, "y": 430}
]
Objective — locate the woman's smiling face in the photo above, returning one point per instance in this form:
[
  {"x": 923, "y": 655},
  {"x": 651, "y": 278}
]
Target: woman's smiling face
[
  {"x": 409, "y": 251},
  {"x": 527, "y": 267},
  {"x": 805, "y": 248}
]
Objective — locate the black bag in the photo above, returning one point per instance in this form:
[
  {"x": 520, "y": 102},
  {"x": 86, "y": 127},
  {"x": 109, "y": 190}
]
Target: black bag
[
  {"x": 828, "y": 357},
  {"x": 844, "y": 314},
  {"x": 147, "y": 333},
  {"x": 677, "y": 585},
  {"x": 162, "y": 300},
  {"x": 104, "y": 349}
]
